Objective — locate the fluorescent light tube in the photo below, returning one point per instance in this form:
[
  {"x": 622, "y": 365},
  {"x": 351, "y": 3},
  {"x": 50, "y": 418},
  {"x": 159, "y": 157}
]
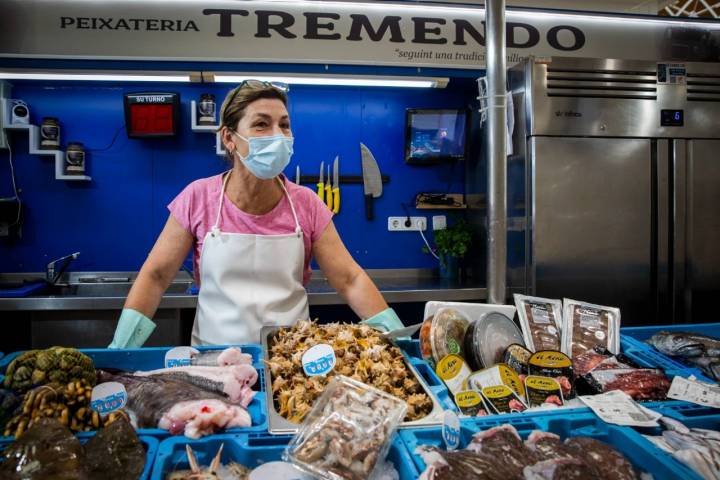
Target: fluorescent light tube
[
  {"x": 353, "y": 81},
  {"x": 98, "y": 77}
]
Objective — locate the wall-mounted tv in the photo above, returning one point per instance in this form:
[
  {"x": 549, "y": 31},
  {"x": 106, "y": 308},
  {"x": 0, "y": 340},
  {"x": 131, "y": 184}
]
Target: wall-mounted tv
[{"x": 435, "y": 135}]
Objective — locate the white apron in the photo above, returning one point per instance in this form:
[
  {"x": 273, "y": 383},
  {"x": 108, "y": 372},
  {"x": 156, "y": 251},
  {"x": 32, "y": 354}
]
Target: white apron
[{"x": 248, "y": 281}]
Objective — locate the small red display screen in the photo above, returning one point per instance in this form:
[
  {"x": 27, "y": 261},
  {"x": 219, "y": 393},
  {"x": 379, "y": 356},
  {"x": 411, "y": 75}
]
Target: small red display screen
[
  {"x": 151, "y": 114},
  {"x": 151, "y": 119}
]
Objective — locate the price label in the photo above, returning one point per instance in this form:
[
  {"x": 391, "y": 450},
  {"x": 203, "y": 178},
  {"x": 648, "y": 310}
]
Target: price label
[
  {"x": 179, "y": 357},
  {"x": 318, "y": 360},
  {"x": 108, "y": 397},
  {"x": 695, "y": 391},
  {"x": 618, "y": 408},
  {"x": 451, "y": 430}
]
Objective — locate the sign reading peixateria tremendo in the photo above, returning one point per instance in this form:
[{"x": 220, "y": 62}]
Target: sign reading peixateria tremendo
[{"x": 331, "y": 32}]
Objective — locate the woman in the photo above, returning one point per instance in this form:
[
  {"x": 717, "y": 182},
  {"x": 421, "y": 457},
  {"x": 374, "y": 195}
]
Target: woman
[{"x": 253, "y": 234}]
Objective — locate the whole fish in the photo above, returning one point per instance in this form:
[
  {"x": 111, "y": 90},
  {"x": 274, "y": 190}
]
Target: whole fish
[
  {"x": 709, "y": 365},
  {"x": 679, "y": 344}
]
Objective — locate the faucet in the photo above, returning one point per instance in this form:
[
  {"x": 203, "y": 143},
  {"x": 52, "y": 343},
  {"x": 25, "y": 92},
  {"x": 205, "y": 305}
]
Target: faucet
[{"x": 52, "y": 273}]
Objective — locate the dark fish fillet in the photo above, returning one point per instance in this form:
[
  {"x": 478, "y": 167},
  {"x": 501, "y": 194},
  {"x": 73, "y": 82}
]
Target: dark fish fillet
[
  {"x": 546, "y": 445},
  {"x": 601, "y": 457},
  {"x": 151, "y": 397},
  {"x": 561, "y": 469},
  {"x": 465, "y": 464},
  {"x": 115, "y": 452},
  {"x": 505, "y": 447},
  {"x": 46, "y": 451}
]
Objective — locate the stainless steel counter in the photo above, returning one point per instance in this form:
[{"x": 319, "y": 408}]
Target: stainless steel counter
[{"x": 108, "y": 290}]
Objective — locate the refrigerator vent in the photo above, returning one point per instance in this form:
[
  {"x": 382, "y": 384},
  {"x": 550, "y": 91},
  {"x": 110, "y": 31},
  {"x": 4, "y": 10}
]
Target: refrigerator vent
[
  {"x": 703, "y": 88},
  {"x": 563, "y": 82}
]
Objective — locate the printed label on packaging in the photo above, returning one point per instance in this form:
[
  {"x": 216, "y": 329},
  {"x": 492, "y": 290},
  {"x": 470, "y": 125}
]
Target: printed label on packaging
[
  {"x": 550, "y": 359},
  {"x": 618, "y": 408},
  {"x": 503, "y": 399},
  {"x": 540, "y": 390},
  {"x": 451, "y": 430},
  {"x": 695, "y": 391},
  {"x": 540, "y": 313},
  {"x": 453, "y": 370},
  {"x": 108, "y": 397},
  {"x": 318, "y": 360},
  {"x": 471, "y": 403},
  {"x": 179, "y": 356},
  {"x": 500, "y": 374},
  {"x": 282, "y": 470}
]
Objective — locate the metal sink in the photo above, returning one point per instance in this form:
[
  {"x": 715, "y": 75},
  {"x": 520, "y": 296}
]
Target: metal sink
[{"x": 109, "y": 289}]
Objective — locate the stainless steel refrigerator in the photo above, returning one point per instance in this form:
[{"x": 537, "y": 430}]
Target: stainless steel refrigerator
[{"x": 622, "y": 191}]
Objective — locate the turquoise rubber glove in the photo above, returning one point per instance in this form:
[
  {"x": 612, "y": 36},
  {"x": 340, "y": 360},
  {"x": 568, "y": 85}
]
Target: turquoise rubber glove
[
  {"x": 133, "y": 329},
  {"x": 385, "y": 321}
]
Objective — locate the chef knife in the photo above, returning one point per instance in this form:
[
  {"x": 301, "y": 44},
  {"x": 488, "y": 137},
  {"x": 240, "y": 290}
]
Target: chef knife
[
  {"x": 328, "y": 191},
  {"x": 372, "y": 182},
  {"x": 402, "y": 332},
  {"x": 321, "y": 184},
  {"x": 336, "y": 184}
]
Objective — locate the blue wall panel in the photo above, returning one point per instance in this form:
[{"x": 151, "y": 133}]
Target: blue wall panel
[{"x": 115, "y": 219}]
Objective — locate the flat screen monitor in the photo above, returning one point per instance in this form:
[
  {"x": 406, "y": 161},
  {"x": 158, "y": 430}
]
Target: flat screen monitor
[{"x": 435, "y": 135}]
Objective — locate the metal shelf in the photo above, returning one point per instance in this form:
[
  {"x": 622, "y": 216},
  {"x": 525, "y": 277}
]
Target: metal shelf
[
  {"x": 219, "y": 149},
  {"x": 34, "y": 146}
]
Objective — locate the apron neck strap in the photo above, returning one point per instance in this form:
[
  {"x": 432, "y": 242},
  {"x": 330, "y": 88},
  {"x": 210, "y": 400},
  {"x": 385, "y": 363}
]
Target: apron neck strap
[
  {"x": 216, "y": 226},
  {"x": 298, "y": 229}
]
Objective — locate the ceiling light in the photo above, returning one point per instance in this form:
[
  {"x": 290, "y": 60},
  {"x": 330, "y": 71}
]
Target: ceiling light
[
  {"x": 99, "y": 76},
  {"x": 336, "y": 80}
]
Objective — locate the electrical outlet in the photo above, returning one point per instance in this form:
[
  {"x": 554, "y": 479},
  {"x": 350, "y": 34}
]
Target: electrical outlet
[
  {"x": 398, "y": 224},
  {"x": 439, "y": 222}
]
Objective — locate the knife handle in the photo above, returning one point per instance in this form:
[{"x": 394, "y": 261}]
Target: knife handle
[
  {"x": 321, "y": 191},
  {"x": 369, "y": 207},
  {"x": 336, "y": 200},
  {"x": 328, "y": 196}
]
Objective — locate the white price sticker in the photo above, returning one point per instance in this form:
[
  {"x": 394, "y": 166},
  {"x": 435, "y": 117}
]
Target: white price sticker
[
  {"x": 618, "y": 408},
  {"x": 694, "y": 391},
  {"x": 108, "y": 397},
  {"x": 318, "y": 360},
  {"x": 451, "y": 430},
  {"x": 179, "y": 357}
]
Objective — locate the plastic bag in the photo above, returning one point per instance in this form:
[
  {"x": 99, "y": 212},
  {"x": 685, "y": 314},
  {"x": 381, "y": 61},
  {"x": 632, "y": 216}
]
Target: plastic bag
[
  {"x": 586, "y": 325},
  {"x": 541, "y": 322},
  {"x": 347, "y": 433}
]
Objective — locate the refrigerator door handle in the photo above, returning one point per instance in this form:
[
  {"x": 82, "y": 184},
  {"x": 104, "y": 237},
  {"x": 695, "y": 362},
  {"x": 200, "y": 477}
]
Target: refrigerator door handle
[
  {"x": 681, "y": 302},
  {"x": 662, "y": 194}
]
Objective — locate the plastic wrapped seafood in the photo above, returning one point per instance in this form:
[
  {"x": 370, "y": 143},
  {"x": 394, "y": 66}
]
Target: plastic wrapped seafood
[
  {"x": 348, "y": 431},
  {"x": 586, "y": 325},
  {"x": 541, "y": 322}
]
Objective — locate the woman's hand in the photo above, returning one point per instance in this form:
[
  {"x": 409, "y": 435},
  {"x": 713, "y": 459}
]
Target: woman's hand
[
  {"x": 346, "y": 276},
  {"x": 160, "y": 268}
]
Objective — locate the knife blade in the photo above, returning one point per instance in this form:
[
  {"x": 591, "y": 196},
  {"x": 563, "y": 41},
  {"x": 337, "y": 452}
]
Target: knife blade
[
  {"x": 297, "y": 175},
  {"x": 402, "y": 332},
  {"x": 336, "y": 184},
  {"x": 372, "y": 181},
  {"x": 321, "y": 183}
]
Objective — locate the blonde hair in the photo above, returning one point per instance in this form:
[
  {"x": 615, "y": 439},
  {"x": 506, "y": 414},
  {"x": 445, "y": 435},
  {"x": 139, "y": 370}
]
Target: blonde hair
[{"x": 238, "y": 99}]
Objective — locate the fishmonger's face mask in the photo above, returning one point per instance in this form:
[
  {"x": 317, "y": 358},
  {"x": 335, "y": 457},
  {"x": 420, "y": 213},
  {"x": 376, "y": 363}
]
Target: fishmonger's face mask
[{"x": 267, "y": 155}]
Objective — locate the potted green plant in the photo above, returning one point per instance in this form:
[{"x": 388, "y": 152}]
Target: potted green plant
[{"x": 451, "y": 245}]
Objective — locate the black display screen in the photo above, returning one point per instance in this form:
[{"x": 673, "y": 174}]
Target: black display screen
[
  {"x": 672, "y": 118},
  {"x": 435, "y": 135}
]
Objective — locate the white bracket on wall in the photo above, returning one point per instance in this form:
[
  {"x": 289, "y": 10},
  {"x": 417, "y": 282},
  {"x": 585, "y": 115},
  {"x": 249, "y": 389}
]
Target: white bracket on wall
[
  {"x": 34, "y": 148},
  {"x": 219, "y": 147}
]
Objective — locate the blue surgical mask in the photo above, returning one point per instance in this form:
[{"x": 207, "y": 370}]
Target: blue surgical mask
[{"x": 267, "y": 156}]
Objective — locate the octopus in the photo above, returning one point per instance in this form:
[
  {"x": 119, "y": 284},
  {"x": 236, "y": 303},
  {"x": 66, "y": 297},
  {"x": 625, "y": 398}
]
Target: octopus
[{"x": 361, "y": 354}]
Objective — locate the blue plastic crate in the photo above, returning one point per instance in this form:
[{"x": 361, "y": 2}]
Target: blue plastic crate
[
  {"x": 643, "y": 333},
  {"x": 647, "y": 356},
  {"x": 437, "y": 387},
  {"x": 689, "y": 413},
  {"x": 153, "y": 358},
  {"x": 151, "y": 447},
  {"x": 149, "y": 358},
  {"x": 251, "y": 450},
  {"x": 643, "y": 455}
]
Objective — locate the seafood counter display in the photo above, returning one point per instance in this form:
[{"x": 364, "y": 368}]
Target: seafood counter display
[{"x": 361, "y": 354}]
